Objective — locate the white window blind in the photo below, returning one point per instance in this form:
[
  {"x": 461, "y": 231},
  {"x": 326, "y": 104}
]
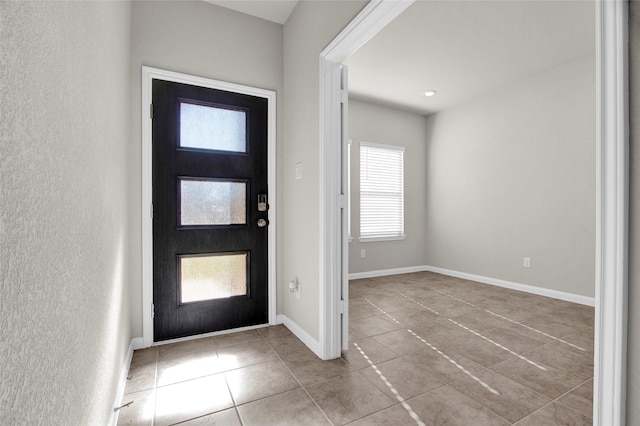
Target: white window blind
[{"x": 381, "y": 192}]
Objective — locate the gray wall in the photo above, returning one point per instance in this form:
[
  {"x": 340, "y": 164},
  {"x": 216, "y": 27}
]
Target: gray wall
[
  {"x": 633, "y": 376},
  {"x": 312, "y": 26},
  {"x": 201, "y": 39},
  {"x": 512, "y": 174},
  {"x": 64, "y": 301},
  {"x": 378, "y": 124}
]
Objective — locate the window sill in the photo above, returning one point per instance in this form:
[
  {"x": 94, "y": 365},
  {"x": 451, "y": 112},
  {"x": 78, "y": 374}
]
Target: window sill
[
  {"x": 350, "y": 239},
  {"x": 373, "y": 239}
]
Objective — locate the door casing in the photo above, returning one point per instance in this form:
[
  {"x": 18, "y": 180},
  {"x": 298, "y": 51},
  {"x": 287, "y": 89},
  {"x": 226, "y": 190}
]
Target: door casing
[
  {"x": 612, "y": 189},
  {"x": 148, "y": 75}
]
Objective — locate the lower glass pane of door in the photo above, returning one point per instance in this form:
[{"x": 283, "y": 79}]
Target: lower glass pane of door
[{"x": 212, "y": 276}]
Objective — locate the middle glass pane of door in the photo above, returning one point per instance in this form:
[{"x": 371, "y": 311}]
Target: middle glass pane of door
[{"x": 212, "y": 202}]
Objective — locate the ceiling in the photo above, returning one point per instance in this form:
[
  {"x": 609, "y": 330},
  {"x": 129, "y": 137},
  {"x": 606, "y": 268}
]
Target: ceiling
[
  {"x": 272, "y": 10},
  {"x": 463, "y": 49}
]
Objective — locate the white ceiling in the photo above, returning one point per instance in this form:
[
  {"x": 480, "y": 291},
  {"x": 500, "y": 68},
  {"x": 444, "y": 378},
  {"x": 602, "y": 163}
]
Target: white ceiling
[
  {"x": 463, "y": 49},
  {"x": 272, "y": 10}
]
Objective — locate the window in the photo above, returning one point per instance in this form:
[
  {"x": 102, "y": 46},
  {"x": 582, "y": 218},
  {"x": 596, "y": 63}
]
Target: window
[{"x": 381, "y": 192}]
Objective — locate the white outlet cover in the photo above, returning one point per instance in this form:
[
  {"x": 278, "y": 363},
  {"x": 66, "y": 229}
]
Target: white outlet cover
[{"x": 299, "y": 170}]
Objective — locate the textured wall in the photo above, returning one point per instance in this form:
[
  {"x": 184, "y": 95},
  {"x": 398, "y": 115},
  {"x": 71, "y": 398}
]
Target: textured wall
[
  {"x": 378, "y": 124},
  {"x": 633, "y": 376},
  {"x": 311, "y": 27},
  {"x": 201, "y": 39},
  {"x": 512, "y": 174},
  {"x": 64, "y": 313}
]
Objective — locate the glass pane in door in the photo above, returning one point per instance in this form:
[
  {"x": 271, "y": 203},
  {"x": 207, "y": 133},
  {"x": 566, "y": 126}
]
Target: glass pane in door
[
  {"x": 211, "y": 128},
  {"x": 212, "y": 276},
  {"x": 212, "y": 202}
]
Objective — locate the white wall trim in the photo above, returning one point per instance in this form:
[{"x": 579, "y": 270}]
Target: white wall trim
[
  {"x": 612, "y": 189},
  {"x": 148, "y": 75},
  {"x": 375, "y": 16},
  {"x": 386, "y": 272},
  {"x": 135, "y": 343},
  {"x": 540, "y": 291},
  {"x": 299, "y": 332}
]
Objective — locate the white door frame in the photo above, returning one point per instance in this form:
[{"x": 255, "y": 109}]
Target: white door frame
[
  {"x": 611, "y": 193},
  {"x": 375, "y": 16},
  {"x": 148, "y": 75}
]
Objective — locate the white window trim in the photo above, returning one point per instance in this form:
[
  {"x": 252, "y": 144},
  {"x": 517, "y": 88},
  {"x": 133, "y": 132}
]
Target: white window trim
[
  {"x": 383, "y": 146},
  {"x": 374, "y": 239}
]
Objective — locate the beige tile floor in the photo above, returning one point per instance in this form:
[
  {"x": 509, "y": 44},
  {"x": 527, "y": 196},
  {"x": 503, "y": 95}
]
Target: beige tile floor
[{"x": 425, "y": 349}]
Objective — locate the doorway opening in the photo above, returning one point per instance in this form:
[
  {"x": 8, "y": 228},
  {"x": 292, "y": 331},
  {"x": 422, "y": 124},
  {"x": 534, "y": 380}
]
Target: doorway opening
[{"x": 611, "y": 190}]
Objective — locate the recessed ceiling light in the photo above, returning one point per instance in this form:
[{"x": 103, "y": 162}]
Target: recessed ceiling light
[{"x": 430, "y": 93}]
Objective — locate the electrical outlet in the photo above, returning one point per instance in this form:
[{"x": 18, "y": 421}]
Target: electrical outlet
[
  {"x": 299, "y": 170},
  {"x": 526, "y": 262},
  {"x": 363, "y": 253}
]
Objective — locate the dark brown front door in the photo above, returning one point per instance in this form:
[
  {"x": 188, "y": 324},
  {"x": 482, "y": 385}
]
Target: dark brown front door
[{"x": 209, "y": 210}]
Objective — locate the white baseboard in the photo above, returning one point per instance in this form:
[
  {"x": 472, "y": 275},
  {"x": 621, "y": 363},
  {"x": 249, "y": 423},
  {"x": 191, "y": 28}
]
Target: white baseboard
[
  {"x": 569, "y": 297},
  {"x": 138, "y": 343},
  {"x": 135, "y": 343},
  {"x": 305, "y": 337},
  {"x": 541, "y": 291},
  {"x": 385, "y": 272}
]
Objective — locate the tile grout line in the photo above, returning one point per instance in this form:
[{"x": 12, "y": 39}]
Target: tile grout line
[
  {"x": 235, "y": 404},
  {"x": 453, "y": 297},
  {"x": 152, "y": 389},
  {"x": 222, "y": 372},
  {"x": 268, "y": 396},
  {"x": 402, "y": 401},
  {"x": 510, "y": 320},
  {"x": 499, "y": 345},
  {"x": 556, "y": 401},
  {"x": 233, "y": 399},
  {"x": 299, "y": 383},
  {"x": 418, "y": 303},
  {"x": 155, "y": 387},
  {"x": 536, "y": 330},
  {"x": 381, "y": 310},
  {"x": 542, "y": 344},
  {"x": 559, "y": 368},
  {"x": 401, "y": 288},
  {"x": 454, "y": 362}
]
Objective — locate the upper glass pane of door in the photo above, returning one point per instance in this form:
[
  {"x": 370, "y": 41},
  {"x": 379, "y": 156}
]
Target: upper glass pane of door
[{"x": 211, "y": 128}]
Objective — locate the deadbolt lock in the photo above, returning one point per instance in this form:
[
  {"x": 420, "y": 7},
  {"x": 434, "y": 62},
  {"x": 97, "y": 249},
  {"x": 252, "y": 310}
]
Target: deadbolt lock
[{"x": 262, "y": 203}]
